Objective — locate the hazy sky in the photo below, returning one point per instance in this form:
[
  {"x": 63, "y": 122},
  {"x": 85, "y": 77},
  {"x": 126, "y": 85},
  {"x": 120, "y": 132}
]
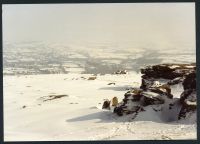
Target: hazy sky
[{"x": 150, "y": 23}]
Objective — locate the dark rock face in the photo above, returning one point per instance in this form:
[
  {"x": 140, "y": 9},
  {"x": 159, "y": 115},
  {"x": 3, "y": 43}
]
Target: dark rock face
[
  {"x": 155, "y": 89},
  {"x": 168, "y": 71},
  {"x": 111, "y": 83},
  {"x": 119, "y": 111},
  {"x": 106, "y": 104},
  {"x": 190, "y": 81},
  {"x": 92, "y": 78}
]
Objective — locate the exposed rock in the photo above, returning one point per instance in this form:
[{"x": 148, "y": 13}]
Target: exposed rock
[
  {"x": 146, "y": 83},
  {"x": 92, "y": 78},
  {"x": 121, "y": 72},
  {"x": 185, "y": 95},
  {"x": 111, "y": 83},
  {"x": 164, "y": 137},
  {"x": 114, "y": 101},
  {"x": 24, "y": 107},
  {"x": 189, "y": 102},
  {"x": 139, "y": 97},
  {"x": 51, "y": 97},
  {"x": 133, "y": 95},
  {"x": 155, "y": 90},
  {"x": 119, "y": 111},
  {"x": 168, "y": 71},
  {"x": 125, "y": 110},
  {"x": 106, "y": 104}
]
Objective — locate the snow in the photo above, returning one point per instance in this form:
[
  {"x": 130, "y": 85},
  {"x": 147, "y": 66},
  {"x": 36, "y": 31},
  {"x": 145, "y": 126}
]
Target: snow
[
  {"x": 176, "y": 90},
  {"x": 189, "y": 66},
  {"x": 111, "y": 61},
  {"x": 75, "y": 69},
  {"x": 78, "y": 116},
  {"x": 150, "y": 94},
  {"x": 174, "y": 66}
]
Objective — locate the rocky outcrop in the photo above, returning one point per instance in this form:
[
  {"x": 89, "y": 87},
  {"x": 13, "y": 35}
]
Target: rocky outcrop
[
  {"x": 155, "y": 89},
  {"x": 106, "y": 104},
  {"x": 190, "y": 81},
  {"x": 121, "y": 72},
  {"x": 188, "y": 98},
  {"x": 130, "y": 103},
  {"x": 168, "y": 71}
]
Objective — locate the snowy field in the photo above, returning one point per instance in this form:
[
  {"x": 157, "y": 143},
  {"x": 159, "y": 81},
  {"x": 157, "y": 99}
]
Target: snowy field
[
  {"x": 63, "y": 62},
  {"x": 31, "y": 113}
]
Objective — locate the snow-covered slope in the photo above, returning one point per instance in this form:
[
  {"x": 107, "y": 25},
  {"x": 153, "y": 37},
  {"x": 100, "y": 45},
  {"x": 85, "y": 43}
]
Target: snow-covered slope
[{"x": 68, "y": 107}]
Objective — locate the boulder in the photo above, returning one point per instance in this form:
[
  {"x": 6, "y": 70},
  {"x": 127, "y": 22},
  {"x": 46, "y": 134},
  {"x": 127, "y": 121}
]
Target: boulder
[
  {"x": 168, "y": 71},
  {"x": 106, "y": 104},
  {"x": 127, "y": 109},
  {"x": 189, "y": 102},
  {"x": 114, "y": 101},
  {"x": 92, "y": 78},
  {"x": 188, "y": 98},
  {"x": 133, "y": 95},
  {"x": 121, "y": 72},
  {"x": 152, "y": 98},
  {"x": 155, "y": 90},
  {"x": 162, "y": 90},
  {"x": 111, "y": 83},
  {"x": 185, "y": 94},
  {"x": 118, "y": 111},
  {"x": 146, "y": 83},
  {"x": 188, "y": 106}
]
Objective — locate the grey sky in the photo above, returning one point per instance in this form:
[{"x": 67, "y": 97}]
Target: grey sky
[{"x": 159, "y": 23}]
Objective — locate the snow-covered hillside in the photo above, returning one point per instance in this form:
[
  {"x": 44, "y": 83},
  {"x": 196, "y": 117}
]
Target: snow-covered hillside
[{"x": 68, "y": 107}]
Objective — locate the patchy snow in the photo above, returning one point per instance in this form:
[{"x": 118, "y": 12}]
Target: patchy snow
[
  {"x": 189, "y": 66},
  {"x": 174, "y": 66},
  {"x": 190, "y": 102},
  {"x": 176, "y": 90},
  {"x": 78, "y": 115}
]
